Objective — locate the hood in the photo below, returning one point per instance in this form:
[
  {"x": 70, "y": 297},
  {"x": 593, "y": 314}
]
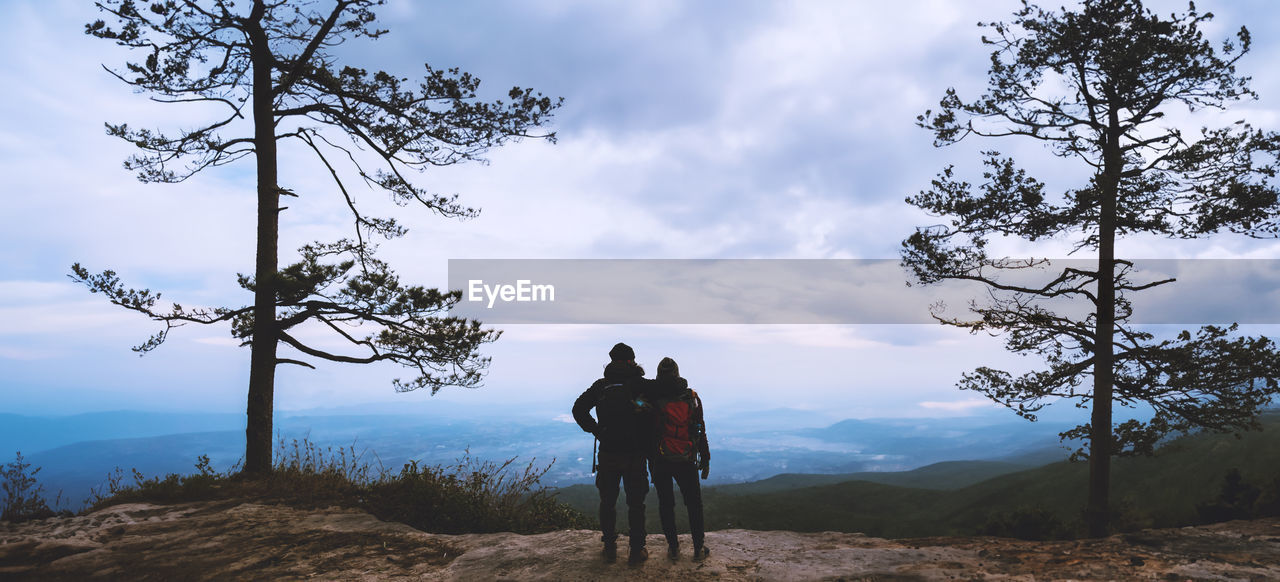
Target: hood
[
  {"x": 620, "y": 370},
  {"x": 667, "y": 386}
]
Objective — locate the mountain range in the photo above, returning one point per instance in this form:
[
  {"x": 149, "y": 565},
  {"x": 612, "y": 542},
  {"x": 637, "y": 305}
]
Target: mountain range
[
  {"x": 76, "y": 453},
  {"x": 959, "y": 497}
]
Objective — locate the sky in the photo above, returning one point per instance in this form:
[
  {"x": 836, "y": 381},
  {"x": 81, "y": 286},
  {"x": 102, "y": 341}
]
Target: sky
[{"x": 689, "y": 130}]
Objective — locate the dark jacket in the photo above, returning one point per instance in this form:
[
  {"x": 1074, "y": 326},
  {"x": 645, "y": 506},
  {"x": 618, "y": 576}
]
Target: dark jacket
[
  {"x": 634, "y": 439},
  {"x": 669, "y": 387}
]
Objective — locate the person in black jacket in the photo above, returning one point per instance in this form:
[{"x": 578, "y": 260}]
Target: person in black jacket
[
  {"x": 624, "y": 428},
  {"x": 679, "y": 452}
]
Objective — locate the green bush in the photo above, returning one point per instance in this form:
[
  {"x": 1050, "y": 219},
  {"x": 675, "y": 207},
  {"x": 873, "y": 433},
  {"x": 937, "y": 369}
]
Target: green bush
[
  {"x": 1268, "y": 503},
  {"x": 172, "y": 488},
  {"x": 1126, "y": 516},
  {"x": 471, "y": 496},
  {"x": 1239, "y": 499},
  {"x": 1026, "y": 523}
]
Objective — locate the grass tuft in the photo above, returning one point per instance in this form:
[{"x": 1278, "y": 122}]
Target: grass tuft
[
  {"x": 23, "y": 496},
  {"x": 469, "y": 496}
]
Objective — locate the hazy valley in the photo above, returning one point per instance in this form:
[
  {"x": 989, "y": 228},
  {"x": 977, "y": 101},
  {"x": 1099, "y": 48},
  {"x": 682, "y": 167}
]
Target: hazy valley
[{"x": 76, "y": 453}]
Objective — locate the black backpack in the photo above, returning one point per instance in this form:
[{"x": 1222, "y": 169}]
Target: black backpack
[{"x": 619, "y": 414}]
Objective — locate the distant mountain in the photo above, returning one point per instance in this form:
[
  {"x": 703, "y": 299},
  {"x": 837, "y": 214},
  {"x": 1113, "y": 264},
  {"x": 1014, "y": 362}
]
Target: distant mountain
[
  {"x": 1159, "y": 491},
  {"x": 945, "y": 476},
  {"x": 747, "y": 446},
  {"x": 31, "y": 434},
  {"x": 948, "y": 475},
  {"x": 956, "y": 498},
  {"x": 933, "y": 440},
  {"x": 74, "y": 470},
  {"x": 776, "y": 419}
]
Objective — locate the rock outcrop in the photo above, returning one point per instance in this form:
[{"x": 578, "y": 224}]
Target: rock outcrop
[{"x": 246, "y": 540}]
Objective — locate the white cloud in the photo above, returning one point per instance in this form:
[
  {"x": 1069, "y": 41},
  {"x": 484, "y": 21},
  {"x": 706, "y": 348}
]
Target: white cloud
[{"x": 958, "y": 405}]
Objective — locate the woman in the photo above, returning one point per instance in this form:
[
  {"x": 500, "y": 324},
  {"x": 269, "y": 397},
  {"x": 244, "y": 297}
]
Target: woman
[{"x": 679, "y": 452}]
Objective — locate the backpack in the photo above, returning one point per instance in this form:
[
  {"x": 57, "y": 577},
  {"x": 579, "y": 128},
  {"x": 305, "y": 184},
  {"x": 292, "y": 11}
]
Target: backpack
[
  {"x": 678, "y": 429},
  {"x": 617, "y": 413}
]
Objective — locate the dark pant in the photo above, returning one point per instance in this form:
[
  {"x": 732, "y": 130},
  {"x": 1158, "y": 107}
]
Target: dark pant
[
  {"x": 686, "y": 476},
  {"x": 629, "y": 468}
]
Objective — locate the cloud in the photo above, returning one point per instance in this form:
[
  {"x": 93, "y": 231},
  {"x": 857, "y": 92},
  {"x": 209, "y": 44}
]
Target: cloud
[
  {"x": 958, "y": 406},
  {"x": 690, "y": 130}
]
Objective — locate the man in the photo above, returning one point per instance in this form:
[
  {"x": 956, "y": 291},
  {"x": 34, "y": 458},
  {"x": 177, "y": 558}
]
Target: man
[{"x": 623, "y": 427}]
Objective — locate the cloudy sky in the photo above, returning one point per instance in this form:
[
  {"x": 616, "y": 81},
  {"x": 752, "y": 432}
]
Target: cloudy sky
[{"x": 690, "y": 130}]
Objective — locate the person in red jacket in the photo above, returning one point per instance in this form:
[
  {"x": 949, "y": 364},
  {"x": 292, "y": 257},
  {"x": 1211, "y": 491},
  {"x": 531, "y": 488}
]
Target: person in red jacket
[{"x": 679, "y": 453}]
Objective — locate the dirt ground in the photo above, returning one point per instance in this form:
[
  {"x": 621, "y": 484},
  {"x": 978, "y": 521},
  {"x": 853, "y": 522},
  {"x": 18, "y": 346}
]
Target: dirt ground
[{"x": 252, "y": 541}]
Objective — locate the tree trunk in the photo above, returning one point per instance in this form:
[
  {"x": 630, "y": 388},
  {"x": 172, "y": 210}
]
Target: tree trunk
[
  {"x": 262, "y": 366},
  {"x": 1097, "y": 513}
]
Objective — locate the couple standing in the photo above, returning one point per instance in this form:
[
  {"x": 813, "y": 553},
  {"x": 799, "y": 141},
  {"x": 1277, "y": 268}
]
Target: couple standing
[{"x": 656, "y": 422}]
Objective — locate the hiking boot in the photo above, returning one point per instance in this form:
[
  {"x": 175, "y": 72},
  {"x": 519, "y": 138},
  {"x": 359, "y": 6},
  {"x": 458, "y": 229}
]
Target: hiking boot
[
  {"x": 638, "y": 556},
  {"x": 673, "y": 553},
  {"x": 700, "y": 553},
  {"x": 610, "y": 553}
]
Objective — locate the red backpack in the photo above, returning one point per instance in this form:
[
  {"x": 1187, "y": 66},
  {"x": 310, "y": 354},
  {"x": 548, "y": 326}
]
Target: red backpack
[{"x": 679, "y": 429}]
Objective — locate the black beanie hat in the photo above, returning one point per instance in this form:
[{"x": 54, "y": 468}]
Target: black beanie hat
[
  {"x": 668, "y": 367},
  {"x": 622, "y": 352}
]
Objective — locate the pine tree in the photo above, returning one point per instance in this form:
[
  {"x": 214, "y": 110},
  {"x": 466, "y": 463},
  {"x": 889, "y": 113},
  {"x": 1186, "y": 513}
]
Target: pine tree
[
  {"x": 271, "y": 66},
  {"x": 1094, "y": 85}
]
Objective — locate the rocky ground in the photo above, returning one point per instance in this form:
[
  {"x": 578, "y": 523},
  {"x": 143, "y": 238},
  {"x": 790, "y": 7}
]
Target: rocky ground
[{"x": 241, "y": 540}]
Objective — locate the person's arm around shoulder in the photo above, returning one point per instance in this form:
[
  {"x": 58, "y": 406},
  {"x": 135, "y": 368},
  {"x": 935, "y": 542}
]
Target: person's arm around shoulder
[{"x": 640, "y": 393}]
